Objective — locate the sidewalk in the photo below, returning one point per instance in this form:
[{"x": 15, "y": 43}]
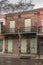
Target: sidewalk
[{"x": 16, "y": 61}]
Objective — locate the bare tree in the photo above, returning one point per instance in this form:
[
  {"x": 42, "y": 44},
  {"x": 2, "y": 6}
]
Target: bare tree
[
  {"x": 23, "y": 6},
  {"x": 2, "y": 4},
  {"x": 7, "y": 7}
]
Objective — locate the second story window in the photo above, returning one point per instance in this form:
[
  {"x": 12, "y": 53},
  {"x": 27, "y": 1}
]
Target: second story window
[
  {"x": 12, "y": 26},
  {"x": 2, "y": 20},
  {"x": 1, "y": 24},
  {"x": 27, "y": 24},
  {"x": 42, "y": 25}
]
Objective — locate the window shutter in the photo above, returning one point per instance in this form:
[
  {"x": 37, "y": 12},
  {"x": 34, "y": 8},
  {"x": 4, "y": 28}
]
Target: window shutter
[
  {"x": 12, "y": 26},
  {"x": 27, "y": 24},
  {"x": 33, "y": 45}
]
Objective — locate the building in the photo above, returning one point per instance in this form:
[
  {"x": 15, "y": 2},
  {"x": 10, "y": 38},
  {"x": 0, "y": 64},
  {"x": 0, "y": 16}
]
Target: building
[
  {"x": 21, "y": 34},
  {"x": 40, "y": 31}
]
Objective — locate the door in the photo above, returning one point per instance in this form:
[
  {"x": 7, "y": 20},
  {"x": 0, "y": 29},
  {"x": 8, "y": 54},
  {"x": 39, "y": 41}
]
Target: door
[
  {"x": 23, "y": 46},
  {"x": 41, "y": 47},
  {"x": 12, "y": 26},
  {"x": 10, "y": 42},
  {"x": 27, "y": 24},
  {"x": 33, "y": 45}
]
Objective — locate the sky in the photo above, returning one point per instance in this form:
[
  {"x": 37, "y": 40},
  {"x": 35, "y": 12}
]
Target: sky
[{"x": 38, "y": 3}]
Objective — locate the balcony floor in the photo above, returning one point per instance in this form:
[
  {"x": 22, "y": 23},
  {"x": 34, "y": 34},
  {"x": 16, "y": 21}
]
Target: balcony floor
[
  {"x": 16, "y": 33},
  {"x": 40, "y": 34}
]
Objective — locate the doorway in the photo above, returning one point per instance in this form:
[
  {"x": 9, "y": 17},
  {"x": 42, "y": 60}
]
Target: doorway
[
  {"x": 10, "y": 42},
  {"x": 41, "y": 46},
  {"x": 23, "y": 46}
]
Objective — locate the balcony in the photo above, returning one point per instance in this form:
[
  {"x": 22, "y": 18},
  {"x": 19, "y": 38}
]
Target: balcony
[
  {"x": 9, "y": 31},
  {"x": 40, "y": 30},
  {"x": 21, "y": 30},
  {"x": 28, "y": 30}
]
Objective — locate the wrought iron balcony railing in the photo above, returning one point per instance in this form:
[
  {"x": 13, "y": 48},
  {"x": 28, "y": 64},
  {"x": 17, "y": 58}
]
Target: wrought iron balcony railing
[
  {"x": 40, "y": 29},
  {"x": 32, "y": 29}
]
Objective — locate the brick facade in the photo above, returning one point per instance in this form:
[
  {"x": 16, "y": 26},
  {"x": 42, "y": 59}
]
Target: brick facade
[{"x": 36, "y": 16}]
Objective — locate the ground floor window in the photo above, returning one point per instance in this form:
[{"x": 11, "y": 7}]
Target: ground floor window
[{"x": 1, "y": 45}]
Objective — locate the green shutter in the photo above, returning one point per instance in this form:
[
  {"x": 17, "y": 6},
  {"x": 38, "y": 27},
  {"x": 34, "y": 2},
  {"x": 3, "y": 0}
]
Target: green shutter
[
  {"x": 27, "y": 24},
  {"x": 10, "y": 45},
  {"x": 1, "y": 45},
  {"x": 33, "y": 45},
  {"x": 23, "y": 46},
  {"x": 41, "y": 47},
  {"x": 12, "y": 26}
]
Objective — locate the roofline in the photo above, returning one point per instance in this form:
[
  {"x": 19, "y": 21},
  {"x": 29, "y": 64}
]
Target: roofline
[{"x": 22, "y": 12}]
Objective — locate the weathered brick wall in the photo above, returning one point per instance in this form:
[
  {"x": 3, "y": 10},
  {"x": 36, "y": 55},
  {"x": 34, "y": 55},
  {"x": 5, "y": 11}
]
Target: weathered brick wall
[
  {"x": 19, "y": 22},
  {"x": 40, "y": 16}
]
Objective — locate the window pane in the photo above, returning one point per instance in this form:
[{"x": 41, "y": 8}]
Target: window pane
[
  {"x": 27, "y": 24},
  {"x": 12, "y": 26}
]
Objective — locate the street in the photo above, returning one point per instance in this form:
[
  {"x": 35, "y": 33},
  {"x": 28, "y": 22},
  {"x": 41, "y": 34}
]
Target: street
[{"x": 13, "y": 61}]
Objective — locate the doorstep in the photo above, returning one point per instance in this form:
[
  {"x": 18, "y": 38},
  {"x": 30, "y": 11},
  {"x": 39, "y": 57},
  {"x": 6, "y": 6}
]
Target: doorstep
[
  {"x": 34, "y": 56},
  {"x": 9, "y": 55},
  {"x": 41, "y": 57},
  {"x": 25, "y": 56},
  {"x": 30, "y": 56}
]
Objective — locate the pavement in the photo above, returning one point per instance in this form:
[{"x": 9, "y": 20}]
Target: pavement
[{"x": 15, "y": 61}]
